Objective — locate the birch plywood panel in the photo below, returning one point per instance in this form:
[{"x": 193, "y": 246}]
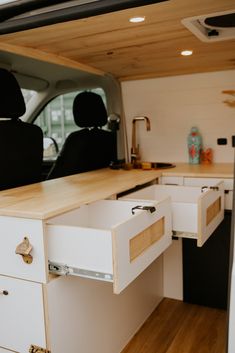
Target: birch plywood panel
[
  {"x": 145, "y": 239},
  {"x": 112, "y": 44}
]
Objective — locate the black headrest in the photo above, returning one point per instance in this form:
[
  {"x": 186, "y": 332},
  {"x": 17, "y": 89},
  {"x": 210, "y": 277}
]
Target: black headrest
[
  {"x": 12, "y": 103},
  {"x": 89, "y": 110}
]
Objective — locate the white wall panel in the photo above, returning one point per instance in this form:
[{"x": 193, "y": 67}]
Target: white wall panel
[{"x": 174, "y": 105}]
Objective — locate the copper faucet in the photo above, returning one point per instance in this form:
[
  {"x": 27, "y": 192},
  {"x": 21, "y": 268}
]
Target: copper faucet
[{"x": 135, "y": 154}]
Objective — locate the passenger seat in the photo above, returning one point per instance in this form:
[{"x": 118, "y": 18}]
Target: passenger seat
[{"x": 21, "y": 143}]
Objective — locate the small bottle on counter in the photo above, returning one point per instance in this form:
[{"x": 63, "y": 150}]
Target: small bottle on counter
[
  {"x": 194, "y": 146},
  {"x": 206, "y": 156}
]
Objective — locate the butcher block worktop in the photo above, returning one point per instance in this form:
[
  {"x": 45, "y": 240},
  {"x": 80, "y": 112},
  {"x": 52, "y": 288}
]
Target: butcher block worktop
[
  {"x": 216, "y": 170},
  {"x": 53, "y": 197}
]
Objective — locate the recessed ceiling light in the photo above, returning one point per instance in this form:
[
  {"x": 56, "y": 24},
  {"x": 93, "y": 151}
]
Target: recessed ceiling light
[
  {"x": 186, "y": 52},
  {"x": 137, "y": 19}
]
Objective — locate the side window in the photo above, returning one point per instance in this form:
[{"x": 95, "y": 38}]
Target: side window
[
  {"x": 27, "y": 94},
  {"x": 56, "y": 119}
]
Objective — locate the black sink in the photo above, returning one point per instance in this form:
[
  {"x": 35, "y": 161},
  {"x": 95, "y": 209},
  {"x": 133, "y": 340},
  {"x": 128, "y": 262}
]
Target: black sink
[
  {"x": 158, "y": 165},
  {"x": 150, "y": 165}
]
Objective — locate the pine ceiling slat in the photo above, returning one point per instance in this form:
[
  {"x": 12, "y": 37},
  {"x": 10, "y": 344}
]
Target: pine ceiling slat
[{"x": 151, "y": 49}]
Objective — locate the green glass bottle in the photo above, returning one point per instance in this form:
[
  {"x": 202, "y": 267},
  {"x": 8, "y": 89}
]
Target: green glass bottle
[{"x": 194, "y": 146}]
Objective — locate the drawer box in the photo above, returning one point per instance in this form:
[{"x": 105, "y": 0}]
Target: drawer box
[
  {"x": 13, "y": 232},
  {"x": 23, "y": 313},
  {"x": 228, "y": 187},
  {"x": 105, "y": 241},
  {"x": 196, "y": 213}
]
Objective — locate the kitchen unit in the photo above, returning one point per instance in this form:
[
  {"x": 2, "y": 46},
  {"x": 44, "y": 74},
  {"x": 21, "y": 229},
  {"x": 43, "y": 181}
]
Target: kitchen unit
[
  {"x": 50, "y": 297},
  {"x": 74, "y": 261}
]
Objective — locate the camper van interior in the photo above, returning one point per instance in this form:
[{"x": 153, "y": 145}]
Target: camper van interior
[{"x": 117, "y": 144}]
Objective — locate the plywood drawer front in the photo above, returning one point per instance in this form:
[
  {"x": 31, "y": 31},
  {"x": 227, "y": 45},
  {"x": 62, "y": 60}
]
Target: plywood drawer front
[
  {"x": 94, "y": 240},
  {"x": 196, "y": 214},
  {"x": 138, "y": 244},
  {"x": 211, "y": 212},
  {"x": 22, "y": 315},
  {"x": 228, "y": 200},
  {"x": 13, "y": 231}
]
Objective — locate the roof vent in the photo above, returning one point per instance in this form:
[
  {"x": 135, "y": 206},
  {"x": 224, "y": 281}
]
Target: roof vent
[{"x": 213, "y": 27}]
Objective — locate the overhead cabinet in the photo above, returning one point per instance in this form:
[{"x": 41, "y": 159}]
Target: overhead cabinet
[{"x": 196, "y": 211}]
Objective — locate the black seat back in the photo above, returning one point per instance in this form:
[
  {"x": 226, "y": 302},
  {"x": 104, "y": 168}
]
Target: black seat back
[
  {"x": 21, "y": 144},
  {"x": 90, "y": 148}
]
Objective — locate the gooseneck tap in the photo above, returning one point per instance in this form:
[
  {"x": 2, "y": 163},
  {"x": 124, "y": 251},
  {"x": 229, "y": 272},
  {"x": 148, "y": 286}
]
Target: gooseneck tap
[{"x": 135, "y": 155}]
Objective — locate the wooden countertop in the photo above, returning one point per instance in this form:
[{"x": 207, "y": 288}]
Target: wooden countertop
[
  {"x": 216, "y": 170},
  {"x": 53, "y": 197}
]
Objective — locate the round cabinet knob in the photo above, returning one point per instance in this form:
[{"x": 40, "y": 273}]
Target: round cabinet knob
[{"x": 24, "y": 249}]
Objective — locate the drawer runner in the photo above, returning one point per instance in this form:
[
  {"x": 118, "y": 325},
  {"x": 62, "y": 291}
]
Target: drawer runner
[
  {"x": 184, "y": 235},
  {"x": 64, "y": 270}
]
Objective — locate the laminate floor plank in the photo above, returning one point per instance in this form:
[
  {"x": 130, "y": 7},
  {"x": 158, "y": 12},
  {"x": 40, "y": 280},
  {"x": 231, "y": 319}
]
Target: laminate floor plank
[{"x": 177, "y": 327}]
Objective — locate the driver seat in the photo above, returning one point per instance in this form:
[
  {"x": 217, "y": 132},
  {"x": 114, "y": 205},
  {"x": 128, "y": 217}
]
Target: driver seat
[
  {"x": 91, "y": 147},
  {"x": 21, "y": 143}
]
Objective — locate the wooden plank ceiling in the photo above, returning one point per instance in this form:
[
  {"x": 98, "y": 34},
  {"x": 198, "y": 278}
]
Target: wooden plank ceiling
[{"x": 110, "y": 43}]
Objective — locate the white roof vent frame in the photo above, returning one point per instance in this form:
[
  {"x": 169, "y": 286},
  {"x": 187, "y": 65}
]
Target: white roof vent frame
[{"x": 208, "y": 33}]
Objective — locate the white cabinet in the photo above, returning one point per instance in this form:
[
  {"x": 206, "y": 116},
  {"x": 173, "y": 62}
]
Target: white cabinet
[
  {"x": 113, "y": 241},
  {"x": 13, "y": 232},
  {"x": 22, "y": 315},
  {"x": 172, "y": 180},
  {"x": 109, "y": 240},
  {"x": 196, "y": 212}
]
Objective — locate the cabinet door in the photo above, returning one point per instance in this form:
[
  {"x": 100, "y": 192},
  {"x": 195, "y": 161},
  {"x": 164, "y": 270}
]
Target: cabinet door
[
  {"x": 22, "y": 315},
  {"x": 13, "y": 232}
]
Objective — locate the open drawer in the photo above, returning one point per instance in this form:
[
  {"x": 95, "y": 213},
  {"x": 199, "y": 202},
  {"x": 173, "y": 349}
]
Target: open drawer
[
  {"x": 109, "y": 240},
  {"x": 196, "y": 211},
  {"x": 228, "y": 187}
]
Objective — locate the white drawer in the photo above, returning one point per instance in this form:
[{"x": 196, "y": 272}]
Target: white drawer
[
  {"x": 104, "y": 240},
  {"x": 228, "y": 187},
  {"x": 13, "y": 232},
  {"x": 2, "y": 350},
  {"x": 22, "y": 315},
  {"x": 196, "y": 214},
  {"x": 228, "y": 183},
  {"x": 172, "y": 180}
]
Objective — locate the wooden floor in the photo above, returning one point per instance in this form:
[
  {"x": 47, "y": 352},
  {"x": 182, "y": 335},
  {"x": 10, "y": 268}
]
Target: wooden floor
[{"x": 177, "y": 327}]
